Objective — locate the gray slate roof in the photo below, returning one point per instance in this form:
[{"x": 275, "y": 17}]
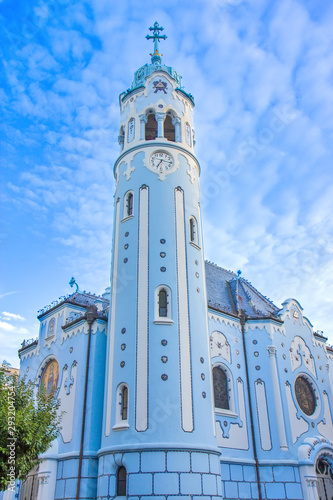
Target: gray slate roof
[{"x": 228, "y": 293}]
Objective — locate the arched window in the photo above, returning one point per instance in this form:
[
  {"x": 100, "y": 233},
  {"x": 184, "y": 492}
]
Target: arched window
[
  {"x": 193, "y": 230},
  {"x": 169, "y": 129},
  {"x": 128, "y": 204},
  {"x": 121, "y": 408},
  {"x": 163, "y": 305},
  {"x": 220, "y": 383},
  {"x": 151, "y": 128},
  {"x": 121, "y": 482}
]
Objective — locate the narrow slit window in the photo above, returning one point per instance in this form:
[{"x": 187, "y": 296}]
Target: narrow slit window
[
  {"x": 124, "y": 403},
  {"x": 193, "y": 231},
  {"x": 162, "y": 304},
  {"x": 220, "y": 383},
  {"x": 128, "y": 204},
  {"x": 121, "y": 482}
]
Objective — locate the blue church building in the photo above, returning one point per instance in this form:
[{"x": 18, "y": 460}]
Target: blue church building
[{"x": 182, "y": 380}]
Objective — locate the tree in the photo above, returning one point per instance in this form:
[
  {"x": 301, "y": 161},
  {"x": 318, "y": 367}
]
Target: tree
[{"x": 29, "y": 422}]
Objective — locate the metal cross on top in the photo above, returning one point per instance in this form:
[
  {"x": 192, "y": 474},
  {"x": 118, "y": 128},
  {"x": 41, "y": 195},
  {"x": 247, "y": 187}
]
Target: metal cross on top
[{"x": 156, "y": 57}]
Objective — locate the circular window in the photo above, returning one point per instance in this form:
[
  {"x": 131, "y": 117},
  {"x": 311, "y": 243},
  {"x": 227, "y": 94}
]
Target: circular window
[
  {"x": 305, "y": 395},
  {"x": 50, "y": 377}
]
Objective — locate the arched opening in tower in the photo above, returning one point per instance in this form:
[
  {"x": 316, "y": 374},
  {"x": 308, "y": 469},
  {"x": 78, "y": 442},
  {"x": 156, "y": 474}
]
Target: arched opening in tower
[
  {"x": 169, "y": 129},
  {"x": 151, "y": 128}
]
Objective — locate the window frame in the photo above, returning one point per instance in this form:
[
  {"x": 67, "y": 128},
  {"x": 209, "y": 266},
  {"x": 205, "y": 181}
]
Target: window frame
[
  {"x": 121, "y": 423},
  {"x": 163, "y": 320},
  {"x": 231, "y": 411},
  {"x": 126, "y": 214},
  {"x": 195, "y": 240}
]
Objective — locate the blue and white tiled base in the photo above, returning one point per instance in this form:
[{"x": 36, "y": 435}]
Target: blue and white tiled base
[
  {"x": 162, "y": 474},
  {"x": 277, "y": 482}
]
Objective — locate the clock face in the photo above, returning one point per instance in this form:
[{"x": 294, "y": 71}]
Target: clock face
[
  {"x": 161, "y": 161},
  {"x": 305, "y": 395}
]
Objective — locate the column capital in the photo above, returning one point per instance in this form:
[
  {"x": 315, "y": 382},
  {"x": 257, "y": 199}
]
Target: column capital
[
  {"x": 159, "y": 116},
  {"x": 143, "y": 118},
  {"x": 175, "y": 120}
]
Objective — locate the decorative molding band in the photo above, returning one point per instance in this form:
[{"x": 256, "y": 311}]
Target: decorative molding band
[
  {"x": 153, "y": 145},
  {"x": 225, "y": 320}
]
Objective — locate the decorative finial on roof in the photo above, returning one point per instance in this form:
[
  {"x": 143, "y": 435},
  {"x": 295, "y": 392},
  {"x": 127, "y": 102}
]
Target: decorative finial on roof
[
  {"x": 72, "y": 282},
  {"x": 239, "y": 273},
  {"x": 156, "y": 56}
]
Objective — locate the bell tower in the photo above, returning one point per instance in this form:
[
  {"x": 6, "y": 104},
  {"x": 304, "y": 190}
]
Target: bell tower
[{"x": 159, "y": 428}]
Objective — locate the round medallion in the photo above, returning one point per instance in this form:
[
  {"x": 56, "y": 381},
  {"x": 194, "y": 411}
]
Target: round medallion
[{"x": 305, "y": 395}]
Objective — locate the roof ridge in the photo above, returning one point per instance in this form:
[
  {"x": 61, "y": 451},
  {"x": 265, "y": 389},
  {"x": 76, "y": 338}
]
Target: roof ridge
[
  {"x": 269, "y": 301},
  {"x": 219, "y": 267}
]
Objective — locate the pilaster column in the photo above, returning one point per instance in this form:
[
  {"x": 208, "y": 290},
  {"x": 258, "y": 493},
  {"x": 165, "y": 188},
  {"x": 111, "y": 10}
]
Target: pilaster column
[
  {"x": 160, "y": 120},
  {"x": 176, "y": 121},
  {"x": 310, "y": 491},
  {"x": 277, "y": 396},
  {"x": 143, "y": 121},
  {"x": 47, "y": 476}
]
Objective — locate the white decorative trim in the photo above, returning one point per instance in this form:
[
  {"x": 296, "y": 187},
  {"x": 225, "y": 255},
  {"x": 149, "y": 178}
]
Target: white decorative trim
[
  {"x": 183, "y": 315},
  {"x": 300, "y": 355},
  {"x": 67, "y": 398},
  {"x": 298, "y": 425},
  {"x": 262, "y": 414},
  {"x": 30, "y": 353},
  {"x": 141, "y": 399},
  {"x": 269, "y": 325},
  {"x": 326, "y": 428},
  {"x": 224, "y": 320},
  {"x": 112, "y": 322},
  {"x": 67, "y": 334},
  {"x": 277, "y": 396}
]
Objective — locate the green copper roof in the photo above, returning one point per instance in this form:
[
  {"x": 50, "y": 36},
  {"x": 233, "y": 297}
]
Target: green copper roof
[{"x": 156, "y": 65}]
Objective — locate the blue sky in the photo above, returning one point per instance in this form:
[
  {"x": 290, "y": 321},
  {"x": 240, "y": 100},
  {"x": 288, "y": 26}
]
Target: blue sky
[{"x": 261, "y": 73}]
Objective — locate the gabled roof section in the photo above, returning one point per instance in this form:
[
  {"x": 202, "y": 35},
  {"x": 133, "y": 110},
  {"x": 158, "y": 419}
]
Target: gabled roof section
[
  {"x": 82, "y": 299},
  {"x": 229, "y": 293}
]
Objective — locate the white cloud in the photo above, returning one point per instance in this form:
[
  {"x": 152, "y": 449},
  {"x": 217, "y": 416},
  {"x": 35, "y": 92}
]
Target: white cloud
[{"x": 11, "y": 316}]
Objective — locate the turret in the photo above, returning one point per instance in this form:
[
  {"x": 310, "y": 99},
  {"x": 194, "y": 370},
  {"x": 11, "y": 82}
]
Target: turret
[{"x": 159, "y": 426}]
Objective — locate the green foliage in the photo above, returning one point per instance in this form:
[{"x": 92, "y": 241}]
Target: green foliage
[{"x": 29, "y": 422}]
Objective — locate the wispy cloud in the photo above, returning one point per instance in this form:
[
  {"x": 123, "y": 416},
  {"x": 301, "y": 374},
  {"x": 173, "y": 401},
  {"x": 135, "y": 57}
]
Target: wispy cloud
[{"x": 260, "y": 73}]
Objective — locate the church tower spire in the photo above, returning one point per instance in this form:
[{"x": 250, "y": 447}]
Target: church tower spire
[{"x": 159, "y": 425}]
